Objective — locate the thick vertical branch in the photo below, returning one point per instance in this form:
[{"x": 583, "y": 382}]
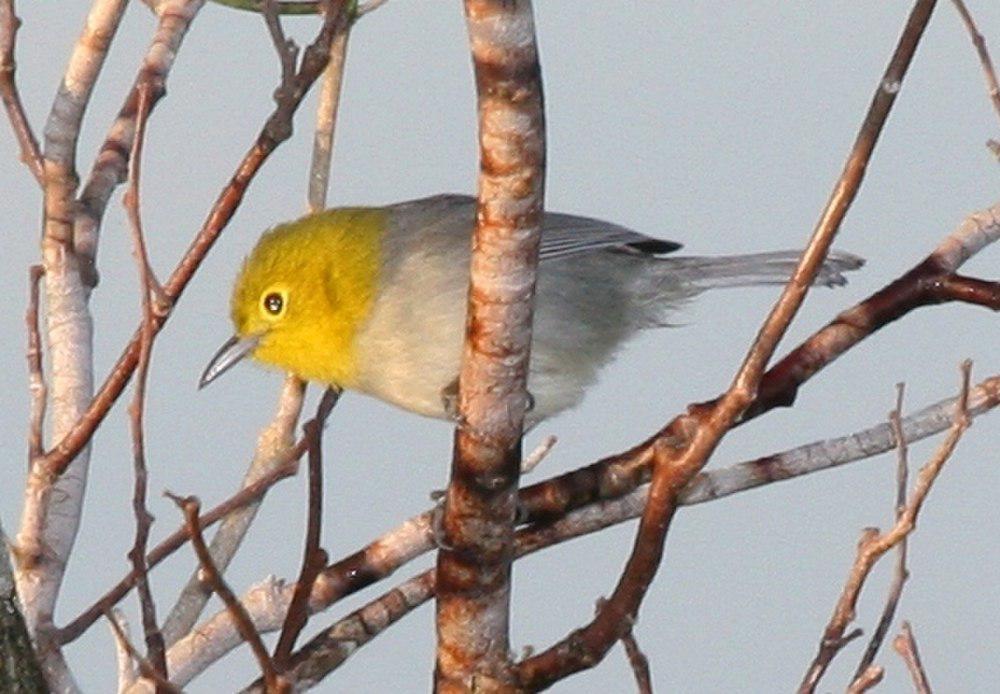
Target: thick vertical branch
[
  {"x": 52, "y": 507},
  {"x": 478, "y": 525}
]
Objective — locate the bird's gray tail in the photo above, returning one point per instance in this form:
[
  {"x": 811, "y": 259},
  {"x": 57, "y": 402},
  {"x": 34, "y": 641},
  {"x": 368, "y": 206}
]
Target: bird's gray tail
[
  {"x": 670, "y": 282},
  {"x": 710, "y": 272}
]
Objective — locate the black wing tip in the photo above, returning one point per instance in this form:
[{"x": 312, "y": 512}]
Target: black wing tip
[{"x": 656, "y": 246}]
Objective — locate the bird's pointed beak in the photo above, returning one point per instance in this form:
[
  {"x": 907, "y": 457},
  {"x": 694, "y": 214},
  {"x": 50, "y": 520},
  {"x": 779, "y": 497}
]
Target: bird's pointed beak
[{"x": 228, "y": 356}]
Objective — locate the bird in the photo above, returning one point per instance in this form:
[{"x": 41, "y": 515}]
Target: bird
[{"x": 374, "y": 299}]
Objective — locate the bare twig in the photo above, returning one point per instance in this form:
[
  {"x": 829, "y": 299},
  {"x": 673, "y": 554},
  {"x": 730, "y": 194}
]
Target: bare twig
[
  {"x": 314, "y": 559},
  {"x": 906, "y": 645},
  {"x": 148, "y": 287},
  {"x": 326, "y": 119},
  {"x": 873, "y": 545},
  {"x": 480, "y": 505},
  {"x": 277, "y": 435},
  {"x": 871, "y": 676},
  {"x": 283, "y": 465},
  {"x": 36, "y": 376},
  {"x": 174, "y": 19},
  {"x": 992, "y": 88},
  {"x": 273, "y": 460},
  {"x": 638, "y": 662},
  {"x": 533, "y": 459},
  {"x": 118, "y": 624},
  {"x": 900, "y": 574},
  {"x": 682, "y": 448},
  {"x": 31, "y": 153},
  {"x": 146, "y": 668},
  {"x": 191, "y": 508},
  {"x": 276, "y": 130}
]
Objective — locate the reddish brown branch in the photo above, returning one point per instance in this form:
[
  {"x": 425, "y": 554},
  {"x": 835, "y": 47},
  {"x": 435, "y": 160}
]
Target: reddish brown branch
[
  {"x": 156, "y": 649},
  {"x": 992, "y": 88},
  {"x": 639, "y": 663},
  {"x": 241, "y": 619},
  {"x": 31, "y": 153},
  {"x": 686, "y": 443},
  {"x": 923, "y": 285},
  {"x": 314, "y": 559},
  {"x": 906, "y": 645},
  {"x": 36, "y": 375},
  {"x": 276, "y": 130},
  {"x": 480, "y": 505},
  {"x": 286, "y": 467},
  {"x": 874, "y": 545}
]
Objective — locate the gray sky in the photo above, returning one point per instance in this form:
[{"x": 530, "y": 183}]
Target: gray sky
[{"x": 721, "y": 125}]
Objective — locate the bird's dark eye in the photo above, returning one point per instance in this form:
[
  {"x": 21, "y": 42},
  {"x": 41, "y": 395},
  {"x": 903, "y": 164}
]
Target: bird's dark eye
[{"x": 274, "y": 303}]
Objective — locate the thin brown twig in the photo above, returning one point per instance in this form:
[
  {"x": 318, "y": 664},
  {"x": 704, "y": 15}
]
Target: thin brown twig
[
  {"x": 31, "y": 153},
  {"x": 686, "y": 444},
  {"x": 156, "y": 650},
  {"x": 276, "y": 130},
  {"x": 906, "y": 645},
  {"x": 873, "y": 545},
  {"x": 146, "y": 668},
  {"x": 639, "y": 663},
  {"x": 989, "y": 73},
  {"x": 314, "y": 559},
  {"x": 191, "y": 508},
  {"x": 870, "y": 677},
  {"x": 285, "y": 466},
  {"x": 36, "y": 375},
  {"x": 287, "y": 50},
  {"x": 900, "y": 574}
]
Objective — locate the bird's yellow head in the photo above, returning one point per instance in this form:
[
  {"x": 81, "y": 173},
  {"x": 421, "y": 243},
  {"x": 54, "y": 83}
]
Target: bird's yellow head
[{"x": 303, "y": 293}]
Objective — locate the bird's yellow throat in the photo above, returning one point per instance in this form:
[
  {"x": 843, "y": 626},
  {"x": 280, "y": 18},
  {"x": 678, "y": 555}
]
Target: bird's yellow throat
[{"x": 322, "y": 271}]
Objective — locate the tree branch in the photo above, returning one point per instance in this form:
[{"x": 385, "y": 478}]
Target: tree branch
[
  {"x": 191, "y": 509},
  {"x": 920, "y": 286},
  {"x": 480, "y": 505},
  {"x": 314, "y": 558},
  {"x": 148, "y": 288},
  {"x": 284, "y": 465},
  {"x": 276, "y": 130},
  {"x": 874, "y": 545},
  {"x": 174, "y": 18},
  {"x": 900, "y": 575},
  {"x": 31, "y": 153},
  {"x": 685, "y": 445},
  {"x": 992, "y": 88},
  {"x": 52, "y": 507},
  {"x": 906, "y": 645}
]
